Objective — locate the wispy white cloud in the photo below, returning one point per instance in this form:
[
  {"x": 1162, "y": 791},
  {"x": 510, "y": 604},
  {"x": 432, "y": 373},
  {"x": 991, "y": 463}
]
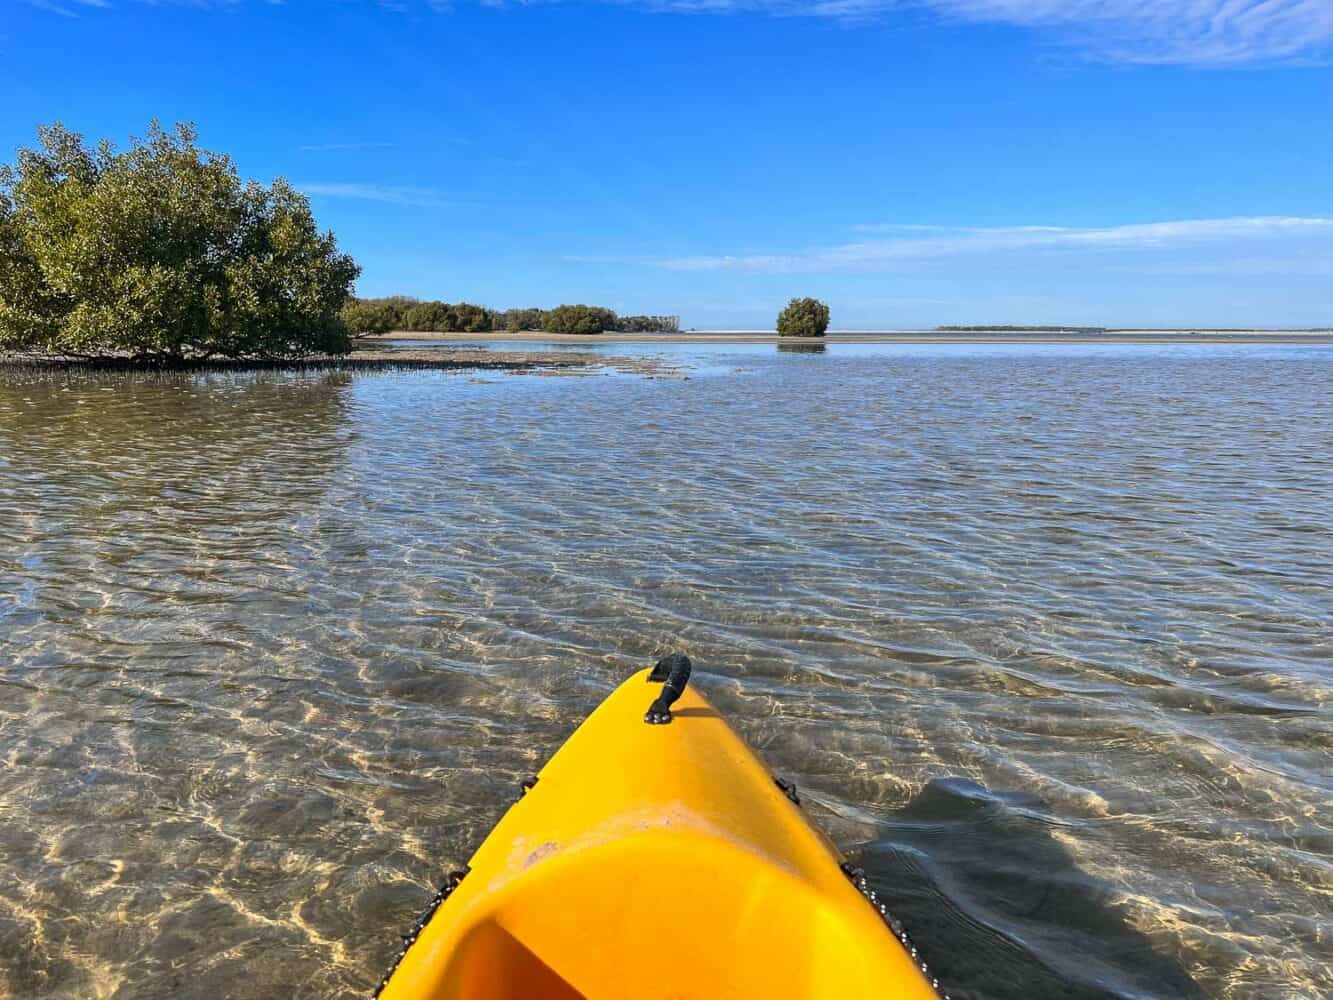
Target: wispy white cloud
[
  {"x": 1318, "y": 264},
  {"x": 67, "y": 8},
  {"x": 1201, "y": 32},
  {"x": 944, "y": 243},
  {"x": 389, "y": 193},
  {"x": 1189, "y": 32}
]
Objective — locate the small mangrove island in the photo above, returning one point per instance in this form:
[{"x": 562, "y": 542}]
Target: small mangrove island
[{"x": 369, "y": 317}]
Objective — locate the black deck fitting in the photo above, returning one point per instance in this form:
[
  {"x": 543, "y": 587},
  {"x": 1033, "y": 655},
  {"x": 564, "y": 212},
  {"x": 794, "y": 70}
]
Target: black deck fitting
[{"x": 673, "y": 673}]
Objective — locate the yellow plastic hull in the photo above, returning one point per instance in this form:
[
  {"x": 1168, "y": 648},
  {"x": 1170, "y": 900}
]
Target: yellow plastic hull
[{"x": 651, "y": 862}]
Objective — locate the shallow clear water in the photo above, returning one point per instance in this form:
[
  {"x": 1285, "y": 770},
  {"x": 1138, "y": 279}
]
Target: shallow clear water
[{"x": 1041, "y": 632}]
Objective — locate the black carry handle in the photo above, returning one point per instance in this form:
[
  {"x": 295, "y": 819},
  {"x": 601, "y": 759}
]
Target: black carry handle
[{"x": 673, "y": 673}]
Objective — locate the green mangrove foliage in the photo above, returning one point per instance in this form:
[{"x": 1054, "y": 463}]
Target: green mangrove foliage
[
  {"x": 367, "y": 317},
  {"x": 370, "y": 316},
  {"x": 425, "y": 316},
  {"x": 518, "y": 320},
  {"x": 803, "y": 318},
  {"x": 578, "y": 319},
  {"x": 647, "y": 324},
  {"x": 162, "y": 253}
]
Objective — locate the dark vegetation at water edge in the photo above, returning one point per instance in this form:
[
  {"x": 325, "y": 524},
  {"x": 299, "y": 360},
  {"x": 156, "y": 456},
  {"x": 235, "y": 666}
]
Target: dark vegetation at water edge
[
  {"x": 382, "y": 362},
  {"x": 161, "y": 254},
  {"x": 1022, "y": 329},
  {"x": 803, "y": 318},
  {"x": 366, "y": 317}
]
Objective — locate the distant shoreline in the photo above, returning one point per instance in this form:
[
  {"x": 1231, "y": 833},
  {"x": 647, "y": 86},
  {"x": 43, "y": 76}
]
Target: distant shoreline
[
  {"x": 1188, "y": 336},
  {"x": 369, "y": 355}
]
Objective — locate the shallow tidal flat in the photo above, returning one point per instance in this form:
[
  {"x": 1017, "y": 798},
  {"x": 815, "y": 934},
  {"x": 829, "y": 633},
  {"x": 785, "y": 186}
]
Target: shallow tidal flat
[
  {"x": 369, "y": 357},
  {"x": 1041, "y": 632}
]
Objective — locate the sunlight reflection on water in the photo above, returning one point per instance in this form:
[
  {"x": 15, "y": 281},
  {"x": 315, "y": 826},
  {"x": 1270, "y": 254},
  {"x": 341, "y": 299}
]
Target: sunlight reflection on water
[{"x": 1040, "y": 631}]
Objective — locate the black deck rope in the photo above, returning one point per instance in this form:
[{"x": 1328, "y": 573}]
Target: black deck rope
[
  {"x": 410, "y": 938},
  {"x": 788, "y": 789},
  {"x": 858, "y": 879}
]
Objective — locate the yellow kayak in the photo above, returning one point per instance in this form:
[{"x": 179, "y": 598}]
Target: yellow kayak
[{"x": 656, "y": 857}]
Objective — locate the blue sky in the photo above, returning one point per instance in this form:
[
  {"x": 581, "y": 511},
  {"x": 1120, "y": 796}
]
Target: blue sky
[{"x": 914, "y": 162}]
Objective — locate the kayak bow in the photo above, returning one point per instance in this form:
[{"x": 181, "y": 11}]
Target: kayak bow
[{"x": 656, "y": 857}]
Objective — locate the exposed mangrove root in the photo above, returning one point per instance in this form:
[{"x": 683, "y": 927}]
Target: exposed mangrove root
[{"x": 318, "y": 364}]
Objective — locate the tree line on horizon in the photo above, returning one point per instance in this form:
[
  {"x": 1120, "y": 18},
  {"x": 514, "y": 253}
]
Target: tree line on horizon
[
  {"x": 372, "y": 316},
  {"x": 1021, "y": 329}
]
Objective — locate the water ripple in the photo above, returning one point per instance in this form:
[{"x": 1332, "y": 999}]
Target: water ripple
[{"x": 1041, "y": 633}]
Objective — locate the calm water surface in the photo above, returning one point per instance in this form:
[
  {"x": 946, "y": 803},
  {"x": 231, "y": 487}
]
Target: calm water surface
[{"x": 1042, "y": 633}]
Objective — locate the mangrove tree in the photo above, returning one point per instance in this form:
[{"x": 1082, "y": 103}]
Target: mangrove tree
[{"x": 162, "y": 253}]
